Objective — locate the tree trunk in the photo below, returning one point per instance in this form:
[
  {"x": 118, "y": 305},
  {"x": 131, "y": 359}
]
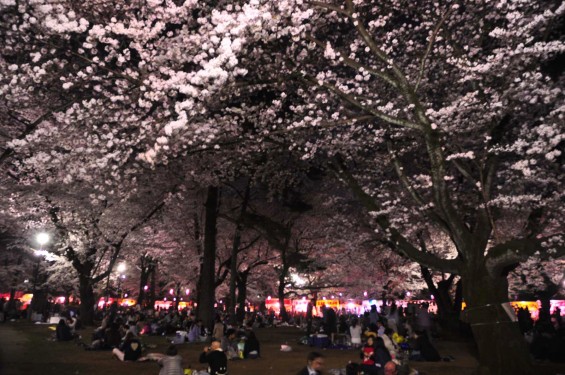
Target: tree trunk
[
  {"x": 207, "y": 279},
  {"x": 502, "y": 349},
  {"x": 142, "y": 282},
  {"x": 38, "y": 302},
  {"x": 153, "y": 286},
  {"x": 11, "y": 304},
  {"x": 233, "y": 275},
  {"x": 234, "y": 252},
  {"x": 145, "y": 265},
  {"x": 309, "y": 317},
  {"x": 87, "y": 300},
  {"x": 241, "y": 296},
  {"x": 283, "y": 313}
]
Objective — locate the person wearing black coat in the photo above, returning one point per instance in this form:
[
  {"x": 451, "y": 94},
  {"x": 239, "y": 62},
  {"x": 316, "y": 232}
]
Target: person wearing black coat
[
  {"x": 314, "y": 364},
  {"x": 251, "y": 349},
  {"x": 216, "y": 359},
  {"x": 382, "y": 355},
  {"x": 63, "y": 331}
]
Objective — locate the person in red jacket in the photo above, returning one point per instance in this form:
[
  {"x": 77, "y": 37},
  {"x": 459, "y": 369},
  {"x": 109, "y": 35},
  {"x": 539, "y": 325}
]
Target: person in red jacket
[{"x": 368, "y": 357}]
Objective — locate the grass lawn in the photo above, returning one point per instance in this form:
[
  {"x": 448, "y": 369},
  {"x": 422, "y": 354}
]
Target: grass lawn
[{"x": 25, "y": 348}]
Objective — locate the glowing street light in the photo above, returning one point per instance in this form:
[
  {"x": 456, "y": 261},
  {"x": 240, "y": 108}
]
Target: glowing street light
[
  {"x": 42, "y": 238},
  {"x": 121, "y": 269}
]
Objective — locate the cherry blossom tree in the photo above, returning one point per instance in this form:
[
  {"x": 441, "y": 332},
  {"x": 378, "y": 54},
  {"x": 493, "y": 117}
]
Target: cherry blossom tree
[
  {"x": 437, "y": 116},
  {"x": 442, "y": 116}
]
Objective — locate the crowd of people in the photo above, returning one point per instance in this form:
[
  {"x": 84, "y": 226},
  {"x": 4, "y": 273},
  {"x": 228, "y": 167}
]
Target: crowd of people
[
  {"x": 386, "y": 338},
  {"x": 545, "y": 336},
  {"x": 121, "y": 331}
]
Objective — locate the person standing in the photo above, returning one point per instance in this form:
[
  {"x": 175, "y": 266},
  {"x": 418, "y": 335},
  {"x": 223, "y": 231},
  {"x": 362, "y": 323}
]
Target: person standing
[
  {"x": 314, "y": 364},
  {"x": 424, "y": 320},
  {"x": 373, "y": 315},
  {"x": 330, "y": 320},
  {"x": 355, "y": 331}
]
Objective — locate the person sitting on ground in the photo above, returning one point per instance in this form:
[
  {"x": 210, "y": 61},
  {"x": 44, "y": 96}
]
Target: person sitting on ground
[
  {"x": 99, "y": 332},
  {"x": 352, "y": 368},
  {"x": 171, "y": 362},
  {"x": 390, "y": 368},
  {"x": 63, "y": 331},
  {"x": 251, "y": 349},
  {"x": 367, "y": 365},
  {"x": 314, "y": 364},
  {"x": 216, "y": 358},
  {"x": 129, "y": 349},
  {"x": 110, "y": 340},
  {"x": 195, "y": 331},
  {"x": 218, "y": 331},
  {"x": 424, "y": 350},
  {"x": 368, "y": 352},
  {"x": 389, "y": 343},
  {"x": 229, "y": 344},
  {"x": 382, "y": 355}
]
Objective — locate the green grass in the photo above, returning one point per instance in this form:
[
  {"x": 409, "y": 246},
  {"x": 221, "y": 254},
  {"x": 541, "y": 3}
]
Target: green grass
[{"x": 26, "y": 349}]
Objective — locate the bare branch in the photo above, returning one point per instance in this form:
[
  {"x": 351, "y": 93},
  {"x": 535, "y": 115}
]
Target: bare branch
[
  {"x": 396, "y": 241},
  {"x": 430, "y": 44},
  {"x": 378, "y": 114},
  {"x": 330, "y": 7},
  {"x": 502, "y": 257},
  {"x": 354, "y": 64}
]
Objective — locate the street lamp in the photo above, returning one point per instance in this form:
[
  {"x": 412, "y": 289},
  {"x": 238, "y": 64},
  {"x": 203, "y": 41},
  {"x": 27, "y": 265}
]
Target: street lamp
[
  {"x": 121, "y": 269},
  {"x": 42, "y": 239}
]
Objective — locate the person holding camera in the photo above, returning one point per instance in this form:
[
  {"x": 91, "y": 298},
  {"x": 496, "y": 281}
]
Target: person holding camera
[{"x": 216, "y": 358}]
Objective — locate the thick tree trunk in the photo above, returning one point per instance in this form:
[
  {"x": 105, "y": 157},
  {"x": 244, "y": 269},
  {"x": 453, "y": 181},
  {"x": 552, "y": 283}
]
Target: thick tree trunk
[
  {"x": 309, "y": 316},
  {"x": 502, "y": 349},
  {"x": 207, "y": 279},
  {"x": 233, "y": 275},
  {"x": 37, "y": 304},
  {"x": 234, "y": 252},
  {"x": 146, "y": 270},
  {"x": 283, "y": 313},
  {"x": 241, "y": 296},
  {"x": 153, "y": 286},
  {"x": 442, "y": 296},
  {"x": 11, "y": 304},
  {"x": 142, "y": 282},
  {"x": 87, "y": 301}
]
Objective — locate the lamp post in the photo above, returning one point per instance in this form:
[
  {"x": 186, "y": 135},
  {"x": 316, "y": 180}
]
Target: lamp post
[
  {"x": 121, "y": 269},
  {"x": 42, "y": 239}
]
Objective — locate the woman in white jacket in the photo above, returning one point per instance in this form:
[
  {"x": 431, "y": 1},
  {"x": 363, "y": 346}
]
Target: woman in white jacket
[{"x": 355, "y": 332}]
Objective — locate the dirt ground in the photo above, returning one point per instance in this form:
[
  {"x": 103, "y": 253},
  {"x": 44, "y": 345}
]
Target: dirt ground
[{"x": 26, "y": 349}]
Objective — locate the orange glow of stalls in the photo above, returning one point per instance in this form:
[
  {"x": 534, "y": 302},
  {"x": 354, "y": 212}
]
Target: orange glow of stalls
[{"x": 273, "y": 304}]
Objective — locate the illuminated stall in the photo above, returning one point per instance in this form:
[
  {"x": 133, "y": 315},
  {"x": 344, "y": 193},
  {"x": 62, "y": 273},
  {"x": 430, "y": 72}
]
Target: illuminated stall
[{"x": 273, "y": 304}]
